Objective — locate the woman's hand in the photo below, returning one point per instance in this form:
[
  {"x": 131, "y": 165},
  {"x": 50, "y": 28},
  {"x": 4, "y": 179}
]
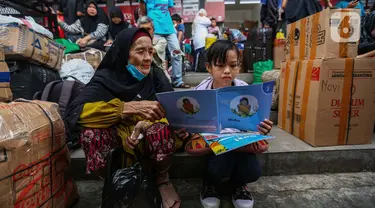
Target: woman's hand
[
  {"x": 149, "y": 110},
  {"x": 182, "y": 133},
  {"x": 265, "y": 126},
  {"x": 353, "y": 4},
  {"x": 137, "y": 134},
  {"x": 82, "y": 42},
  {"x": 108, "y": 43}
]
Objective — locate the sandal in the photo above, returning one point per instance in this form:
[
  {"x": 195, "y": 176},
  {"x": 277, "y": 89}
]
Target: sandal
[
  {"x": 169, "y": 196},
  {"x": 184, "y": 86}
]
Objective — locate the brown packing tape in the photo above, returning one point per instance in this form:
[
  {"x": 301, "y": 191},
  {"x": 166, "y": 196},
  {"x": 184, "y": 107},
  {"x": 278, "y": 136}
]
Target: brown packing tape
[
  {"x": 305, "y": 98},
  {"x": 294, "y": 88},
  {"x": 343, "y": 46},
  {"x": 314, "y": 35},
  {"x": 292, "y": 34},
  {"x": 302, "y": 39},
  {"x": 346, "y": 100},
  {"x": 285, "y": 95}
]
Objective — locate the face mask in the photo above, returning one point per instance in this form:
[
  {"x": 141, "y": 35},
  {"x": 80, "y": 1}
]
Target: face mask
[{"x": 135, "y": 72}]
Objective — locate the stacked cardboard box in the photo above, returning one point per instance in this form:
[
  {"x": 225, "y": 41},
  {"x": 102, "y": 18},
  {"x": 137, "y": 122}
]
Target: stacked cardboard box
[
  {"x": 34, "y": 160},
  {"x": 20, "y": 42},
  {"x": 5, "y": 92},
  {"x": 92, "y": 56},
  {"x": 326, "y": 94}
]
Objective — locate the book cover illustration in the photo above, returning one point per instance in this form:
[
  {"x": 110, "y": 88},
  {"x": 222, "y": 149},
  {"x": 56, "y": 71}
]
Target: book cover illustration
[
  {"x": 210, "y": 111},
  {"x": 245, "y": 107},
  {"x": 194, "y": 110},
  {"x": 222, "y": 143}
]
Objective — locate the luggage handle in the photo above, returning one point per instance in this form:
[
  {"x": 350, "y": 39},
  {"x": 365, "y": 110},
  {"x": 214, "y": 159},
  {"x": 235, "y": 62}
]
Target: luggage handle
[
  {"x": 66, "y": 93},
  {"x": 48, "y": 89},
  {"x": 73, "y": 77}
]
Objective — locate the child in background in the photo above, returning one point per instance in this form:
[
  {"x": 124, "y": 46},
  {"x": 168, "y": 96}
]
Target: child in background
[
  {"x": 240, "y": 166},
  {"x": 214, "y": 29},
  {"x": 179, "y": 26}
]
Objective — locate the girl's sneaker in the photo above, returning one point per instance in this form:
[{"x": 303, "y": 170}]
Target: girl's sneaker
[
  {"x": 209, "y": 196},
  {"x": 242, "y": 198}
]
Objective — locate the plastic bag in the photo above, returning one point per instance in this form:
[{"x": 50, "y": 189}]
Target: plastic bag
[
  {"x": 69, "y": 46},
  {"x": 129, "y": 187},
  {"x": 259, "y": 68},
  {"x": 77, "y": 68}
]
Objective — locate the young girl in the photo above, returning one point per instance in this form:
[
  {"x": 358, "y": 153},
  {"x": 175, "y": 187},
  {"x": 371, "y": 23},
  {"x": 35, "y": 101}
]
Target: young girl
[{"x": 240, "y": 166}]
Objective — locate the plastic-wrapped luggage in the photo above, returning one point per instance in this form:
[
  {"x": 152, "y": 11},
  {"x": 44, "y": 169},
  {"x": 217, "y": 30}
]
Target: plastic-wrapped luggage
[
  {"x": 28, "y": 79},
  {"x": 258, "y": 47}
]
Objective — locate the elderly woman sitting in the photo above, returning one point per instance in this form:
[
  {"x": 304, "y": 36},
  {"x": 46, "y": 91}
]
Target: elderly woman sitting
[
  {"x": 90, "y": 30},
  {"x": 119, "y": 103}
]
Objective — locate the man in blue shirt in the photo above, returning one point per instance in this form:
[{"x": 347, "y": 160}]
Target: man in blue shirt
[{"x": 158, "y": 11}]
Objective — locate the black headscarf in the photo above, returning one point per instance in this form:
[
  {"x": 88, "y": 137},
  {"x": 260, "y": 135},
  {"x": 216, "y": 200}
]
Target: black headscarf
[
  {"x": 90, "y": 23},
  {"x": 114, "y": 29},
  {"x": 112, "y": 79}
]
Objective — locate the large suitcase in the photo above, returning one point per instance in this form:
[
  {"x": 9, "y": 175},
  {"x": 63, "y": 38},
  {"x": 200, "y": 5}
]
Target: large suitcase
[
  {"x": 26, "y": 79},
  {"x": 258, "y": 47}
]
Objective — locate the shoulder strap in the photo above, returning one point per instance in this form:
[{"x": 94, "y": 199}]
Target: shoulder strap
[
  {"x": 47, "y": 90},
  {"x": 66, "y": 93}
]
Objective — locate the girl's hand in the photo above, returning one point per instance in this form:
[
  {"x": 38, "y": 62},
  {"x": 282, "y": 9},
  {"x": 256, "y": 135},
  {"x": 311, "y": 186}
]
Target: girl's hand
[
  {"x": 265, "y": 127},
  {"x": 182, "y": 133}
]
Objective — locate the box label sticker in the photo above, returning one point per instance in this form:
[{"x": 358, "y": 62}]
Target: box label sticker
[{"x": 315, "y": 74}]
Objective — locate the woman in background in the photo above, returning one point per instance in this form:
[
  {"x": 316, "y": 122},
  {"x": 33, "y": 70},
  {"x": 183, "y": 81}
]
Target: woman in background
[
  {"x": 90, "y": 30},
  {"x": 298, "y": 9},
  {"x": 116, "y": 25},
  {"x": 200, "y": 31}
]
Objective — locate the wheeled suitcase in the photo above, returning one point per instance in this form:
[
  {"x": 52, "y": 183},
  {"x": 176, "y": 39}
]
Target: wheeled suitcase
[
  {"x": 26, "y": 79},
  {"x": 258, "y": 47}
]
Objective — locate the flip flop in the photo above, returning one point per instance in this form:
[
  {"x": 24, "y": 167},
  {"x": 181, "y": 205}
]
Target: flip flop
[{"x": 169, "y": 196}]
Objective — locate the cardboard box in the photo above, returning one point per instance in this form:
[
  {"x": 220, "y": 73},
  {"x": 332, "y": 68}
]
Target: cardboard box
[
  {"x": 286, "y": 92},
  {"x": 5, "y": 92},
  {"x": 328, "y": 102},
  {"x": 20, "y": 42},
  {"x": 320, "y": 35},
  {"x": 278, "y": 52},
  {"x": 92, "y": 56},
  {"x": 34, "y": 160}
]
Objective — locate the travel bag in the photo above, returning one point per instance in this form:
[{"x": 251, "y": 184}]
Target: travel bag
[
  {"x": 258, "y": 47},
  {"x": 26, "y": 78}
]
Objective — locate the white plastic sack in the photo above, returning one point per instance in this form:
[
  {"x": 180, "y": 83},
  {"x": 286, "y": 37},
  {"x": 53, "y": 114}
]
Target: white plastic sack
[{"x": 77, "y": 68}]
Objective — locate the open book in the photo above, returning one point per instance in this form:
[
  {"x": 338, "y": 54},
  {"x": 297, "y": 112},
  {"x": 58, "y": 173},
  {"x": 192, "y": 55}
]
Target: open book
[
  {"x": 222, "y": 143},
  {"x": 210, "y": 111}
]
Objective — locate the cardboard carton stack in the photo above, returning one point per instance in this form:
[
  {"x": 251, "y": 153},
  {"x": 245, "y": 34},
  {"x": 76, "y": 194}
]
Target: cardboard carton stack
[
  {"x": 5, "y": 92},
  {"x": 34, "y": 160},
  {"x": 326, "y": 94},
  {"x": 22, "y": 43}
]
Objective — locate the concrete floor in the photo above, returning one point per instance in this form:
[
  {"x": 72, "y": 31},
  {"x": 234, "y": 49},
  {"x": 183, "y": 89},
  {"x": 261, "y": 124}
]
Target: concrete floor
[{"x": 344, "y": 190}]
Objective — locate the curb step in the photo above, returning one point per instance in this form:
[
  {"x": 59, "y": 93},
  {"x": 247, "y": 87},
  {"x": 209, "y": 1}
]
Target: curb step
[
  {"x": 344, "y": 190},
  {"x": 287, "y": 155}
]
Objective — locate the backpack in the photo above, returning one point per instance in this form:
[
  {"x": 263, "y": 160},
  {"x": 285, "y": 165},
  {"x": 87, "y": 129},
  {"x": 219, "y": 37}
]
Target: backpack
[{"x": 62, "y": 92}]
